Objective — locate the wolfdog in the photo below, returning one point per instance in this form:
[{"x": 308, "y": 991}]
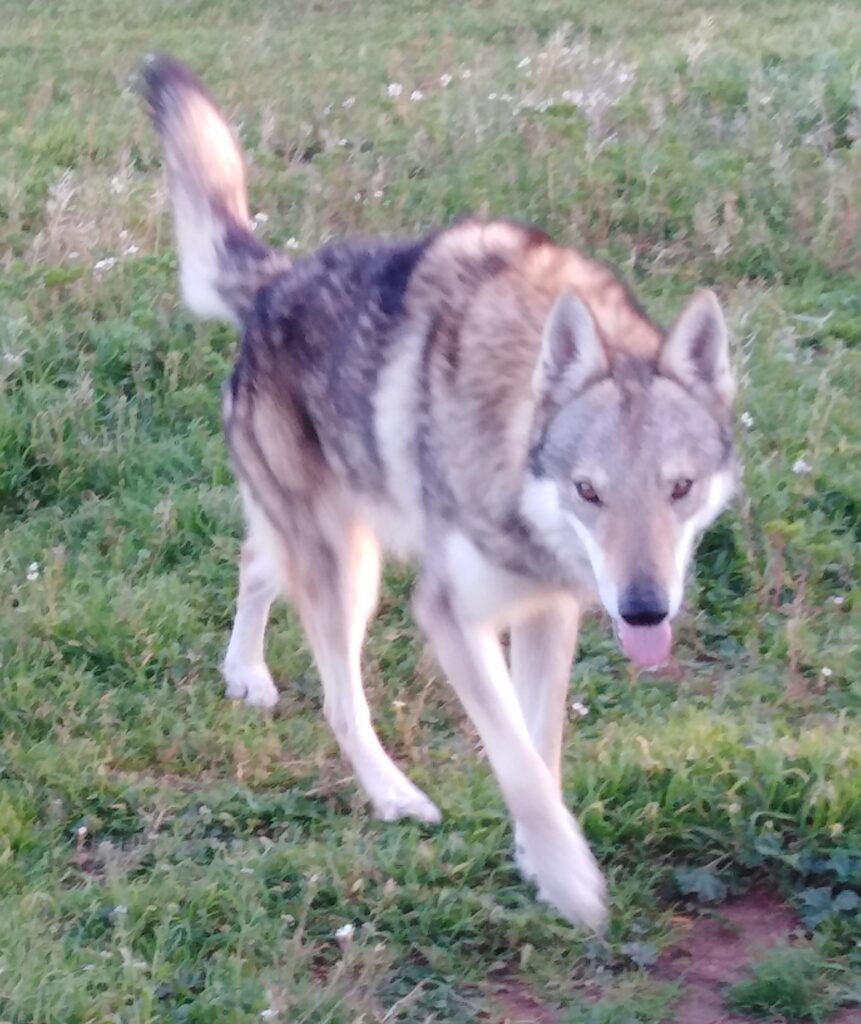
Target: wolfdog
[{"x": 490, "y": 405}]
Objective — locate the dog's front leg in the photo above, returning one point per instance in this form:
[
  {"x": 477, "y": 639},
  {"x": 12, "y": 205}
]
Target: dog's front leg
[
  {"x": 472, "y": 658},
  {"x": 542, "y": 650}
]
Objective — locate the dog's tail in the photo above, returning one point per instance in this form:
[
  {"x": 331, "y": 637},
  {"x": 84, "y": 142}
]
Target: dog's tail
[{"x": 222, "y": 264}]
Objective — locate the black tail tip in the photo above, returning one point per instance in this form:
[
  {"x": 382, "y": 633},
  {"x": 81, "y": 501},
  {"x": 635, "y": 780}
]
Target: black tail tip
[{"x": 161, "y": 75}]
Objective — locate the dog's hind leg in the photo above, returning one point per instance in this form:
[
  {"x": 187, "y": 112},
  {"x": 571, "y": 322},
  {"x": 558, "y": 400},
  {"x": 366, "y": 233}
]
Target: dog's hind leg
[
  {"x": 471, "y": 655},
  {"x": 542, "y": 650},
  {"x": 261, "y": 580},
  {"x": 335, "y": 604}
]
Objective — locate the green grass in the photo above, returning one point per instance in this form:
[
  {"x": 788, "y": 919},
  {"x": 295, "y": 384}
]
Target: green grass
[
  {"x": 166, "y": 855},
  {"x": 789, "y": 984}
]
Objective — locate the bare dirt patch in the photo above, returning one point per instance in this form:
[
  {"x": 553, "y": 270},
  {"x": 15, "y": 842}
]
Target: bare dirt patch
[
  {"x": 519, "y": 1005},
  {"x": 717, "y": 949}
]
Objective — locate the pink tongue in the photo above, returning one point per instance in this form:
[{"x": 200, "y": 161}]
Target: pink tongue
[{"x": 646, "y": 645}]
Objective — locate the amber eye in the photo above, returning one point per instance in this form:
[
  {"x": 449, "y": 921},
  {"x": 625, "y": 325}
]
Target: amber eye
[
  {"x": 587, "y": 492},
  {"x": 681, "y": 489}
]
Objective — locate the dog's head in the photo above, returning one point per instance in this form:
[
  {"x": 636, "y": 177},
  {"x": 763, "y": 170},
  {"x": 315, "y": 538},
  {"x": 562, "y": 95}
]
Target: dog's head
[{"x": 633, "y": 457}]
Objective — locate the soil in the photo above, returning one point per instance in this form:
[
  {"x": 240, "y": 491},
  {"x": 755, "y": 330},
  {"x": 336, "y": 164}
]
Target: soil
[
  {"x": 715, "y": 949},
  {"x": 518, "y": 1005}
]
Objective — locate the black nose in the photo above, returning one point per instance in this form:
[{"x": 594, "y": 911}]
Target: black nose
[{"x": 643, "y": 604}]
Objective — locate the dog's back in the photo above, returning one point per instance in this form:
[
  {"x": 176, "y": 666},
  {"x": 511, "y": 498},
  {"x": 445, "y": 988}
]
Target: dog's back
[{"x": 411, "y": 364}]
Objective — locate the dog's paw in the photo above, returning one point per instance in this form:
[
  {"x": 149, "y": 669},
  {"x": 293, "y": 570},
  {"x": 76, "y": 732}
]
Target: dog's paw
[
  {"x": 253, "y": 684},
  {"x": 401, "y": 799},
  {"x": 560, "y": 863}
]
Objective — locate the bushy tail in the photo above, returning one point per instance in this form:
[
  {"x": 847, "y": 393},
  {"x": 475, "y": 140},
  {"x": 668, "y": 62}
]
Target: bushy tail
[{"x": 222, "y": 264}]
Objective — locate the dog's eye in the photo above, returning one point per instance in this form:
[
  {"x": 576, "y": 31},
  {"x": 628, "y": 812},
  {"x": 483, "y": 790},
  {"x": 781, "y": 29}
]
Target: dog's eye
[
  {"x": 681, "y": 489},
  {"x": 587, "y": 492}
]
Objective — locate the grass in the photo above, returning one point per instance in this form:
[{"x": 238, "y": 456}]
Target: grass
[
  {"x": 789, "y": 984},
  {"x": 168, "y": 856}
]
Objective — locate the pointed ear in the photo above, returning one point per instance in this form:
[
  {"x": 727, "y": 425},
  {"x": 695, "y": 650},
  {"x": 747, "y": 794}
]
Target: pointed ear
[
  {"x": 696, "y": 351},
  {"x": 571, "y": 351}
]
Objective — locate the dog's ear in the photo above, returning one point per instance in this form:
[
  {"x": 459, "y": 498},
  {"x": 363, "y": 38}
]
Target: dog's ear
[
  {"x": 571, "y": 351},
  {"x": 696, "y": 350}
]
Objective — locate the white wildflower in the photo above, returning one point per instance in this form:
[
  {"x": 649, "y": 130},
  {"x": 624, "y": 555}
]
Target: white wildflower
[
  {"x": 358, "y": 197},
  {"x": 398, "y": 705},
  {"x": 802, "y": 467},
  {"x": 826, "y": 672},
  {"x": 117, "y": 186},
  {"x": 395, "y": 89},
  {"x": 524, "y": 63},
  {"x": 345, "y": 932},
  {"x": 378, "y": 193},
  {"x": 579, "y": 709},
  {"x": 746, "y": 419},
  {"x": 465, "y": 74},
  {"x": 348, "y": 102},
  {"x": 445, "y": 80},
  {"x": 838, "y": 599},
  {"x": 33, "y": 573},
  {"x": 131, "y": 250},
  {"x": 121, "y": 910},
  {"x": 73, "y": 255},
  {"x": 491, "y": 95},
  {"x": 105, "y": 264},
  {"x": 292, "y": 243},
  {"x": 506, "y": 98},
  {"x": 269, "y": 1013},
  {"x": 416, "y": 96},
  {"x": 246, "y": 871},
  {"x": 12, "y": 358},
  {"x": 261, "y": 218},
  {"x": 343, "y": 142}
]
